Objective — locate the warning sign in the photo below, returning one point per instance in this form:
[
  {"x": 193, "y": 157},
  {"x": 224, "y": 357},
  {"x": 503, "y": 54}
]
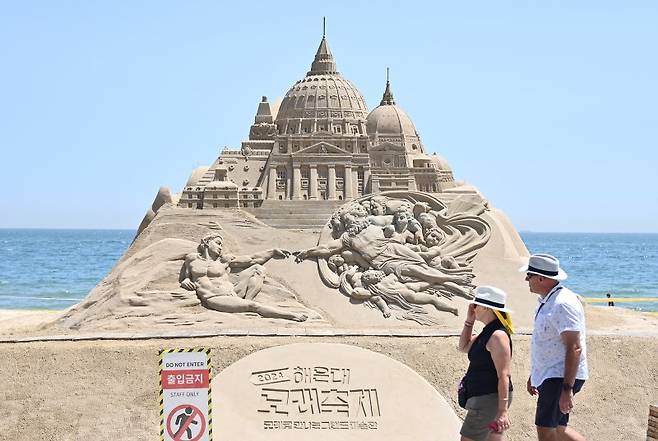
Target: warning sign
[
  {"x": 186, "y": 422},
  {"x": 185, "y": 405}
]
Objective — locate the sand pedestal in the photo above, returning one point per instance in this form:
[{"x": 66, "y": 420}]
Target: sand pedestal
[{"x": 327, "y": 391}]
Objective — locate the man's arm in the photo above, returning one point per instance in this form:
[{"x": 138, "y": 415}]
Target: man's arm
[
  {"x": 568, "y": 319},
  {"x": 185, "y": 276},
  {"x": 324, "y": 250},
  {"x": 571, "y": 341},
  {"x": 259, "y": 258},
  {"x": 430, "y": 253}
]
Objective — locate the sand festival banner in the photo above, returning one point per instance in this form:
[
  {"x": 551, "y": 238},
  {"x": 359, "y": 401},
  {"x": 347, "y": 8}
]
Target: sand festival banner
[{"x": 185, "y": 399}]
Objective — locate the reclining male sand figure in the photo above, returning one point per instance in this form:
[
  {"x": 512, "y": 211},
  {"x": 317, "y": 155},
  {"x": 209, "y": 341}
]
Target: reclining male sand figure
[{"x": 207, "y": 273}]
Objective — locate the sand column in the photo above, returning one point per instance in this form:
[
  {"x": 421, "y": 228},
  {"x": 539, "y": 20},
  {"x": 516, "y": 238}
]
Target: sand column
[
  {"x": 313, "y": 182},
  {"x": 349, "y": 183},
  {"x": 288, "y": 182},
  {"x": 366, "y": 178},
  {"x": 331, "y": 184},
  {"x": 296, "y": 182},
  {"x": 271, "y": 184}
]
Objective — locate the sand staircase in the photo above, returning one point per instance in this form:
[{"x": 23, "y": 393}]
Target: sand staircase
[
  {"x": 207, "y": 177},
  {"x": 295, "y": 214}
]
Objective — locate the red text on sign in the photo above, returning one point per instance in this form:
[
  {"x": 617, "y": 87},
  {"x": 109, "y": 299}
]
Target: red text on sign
[{"x": 185, "y": 379}]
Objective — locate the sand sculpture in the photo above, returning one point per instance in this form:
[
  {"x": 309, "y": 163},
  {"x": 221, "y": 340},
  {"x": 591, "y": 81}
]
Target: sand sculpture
[
  {"x": 206, "y": 272},
  {"x": 380, "y": 230},
  {"x": 401, "y": 251},
  {"x": 320, "y": 144}
]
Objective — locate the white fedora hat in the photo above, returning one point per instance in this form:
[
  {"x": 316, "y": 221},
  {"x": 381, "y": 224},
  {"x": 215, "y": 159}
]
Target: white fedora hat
[
  {"x": 491, "y": 297},
  {"x": 544, "y": 265}
]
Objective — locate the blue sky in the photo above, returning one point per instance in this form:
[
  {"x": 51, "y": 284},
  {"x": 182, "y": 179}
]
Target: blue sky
[{"x": 549, "y": 108}]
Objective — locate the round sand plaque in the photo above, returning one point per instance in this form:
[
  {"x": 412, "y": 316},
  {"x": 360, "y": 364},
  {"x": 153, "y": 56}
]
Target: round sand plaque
[{"x": 326, "y": 391}]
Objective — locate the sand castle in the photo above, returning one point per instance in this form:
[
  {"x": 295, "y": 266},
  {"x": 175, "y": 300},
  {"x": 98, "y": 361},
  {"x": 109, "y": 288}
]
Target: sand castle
[{"x": 382, "y": 234}]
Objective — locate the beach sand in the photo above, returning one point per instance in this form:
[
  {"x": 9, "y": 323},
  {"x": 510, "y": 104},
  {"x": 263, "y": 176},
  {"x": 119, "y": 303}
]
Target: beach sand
[{"x": 108, "y": 389}]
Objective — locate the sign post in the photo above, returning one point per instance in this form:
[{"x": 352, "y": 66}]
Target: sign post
[{"x": 185, "y": 399}]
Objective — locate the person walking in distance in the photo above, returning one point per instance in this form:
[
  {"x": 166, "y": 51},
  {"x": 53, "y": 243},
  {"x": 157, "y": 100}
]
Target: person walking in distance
[{"x": 558, "y": 365}]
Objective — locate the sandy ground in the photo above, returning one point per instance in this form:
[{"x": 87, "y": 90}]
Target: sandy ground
[{"x": 108, "y": 389}]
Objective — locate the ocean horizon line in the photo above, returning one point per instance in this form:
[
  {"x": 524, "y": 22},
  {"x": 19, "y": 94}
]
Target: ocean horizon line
[
  {"x": 64, "y": 229},
  {"x": 67, "y": 263},
  {"x": 135, "y": 229},
  {"x": 646, "y": 233}
]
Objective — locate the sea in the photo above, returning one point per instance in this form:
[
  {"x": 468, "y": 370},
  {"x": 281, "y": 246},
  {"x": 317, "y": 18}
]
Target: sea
[{"x": 54, "y": 269}]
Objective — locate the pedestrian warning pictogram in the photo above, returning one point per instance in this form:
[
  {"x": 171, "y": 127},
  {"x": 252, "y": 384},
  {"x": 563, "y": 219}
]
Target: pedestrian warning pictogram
[
  {"x": 186, "y": 423},
  {"x": 185, "y": 398}
]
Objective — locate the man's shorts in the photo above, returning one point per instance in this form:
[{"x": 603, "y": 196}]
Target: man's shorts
[
  {"x": 548, "y": 404},
  {"x": 482, "y": 410}
]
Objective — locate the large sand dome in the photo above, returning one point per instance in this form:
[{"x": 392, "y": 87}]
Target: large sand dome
[{"x": 322, "y": 94}]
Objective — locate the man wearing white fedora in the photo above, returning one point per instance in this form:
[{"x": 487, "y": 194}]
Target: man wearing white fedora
[{"x": 558, "y": 351}]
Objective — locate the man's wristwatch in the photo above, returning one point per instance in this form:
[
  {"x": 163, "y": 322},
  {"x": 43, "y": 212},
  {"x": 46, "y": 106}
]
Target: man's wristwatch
[{"x": 567, "y": 387}]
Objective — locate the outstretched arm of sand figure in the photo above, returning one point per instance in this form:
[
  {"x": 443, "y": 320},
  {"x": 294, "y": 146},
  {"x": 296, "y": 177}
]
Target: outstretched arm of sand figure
[
  {"x": 430, "y": 254},
  {"x": 185, "y": 278},
  {"x": 324, "y": 250},
  {"x": 258, "y": 258}
]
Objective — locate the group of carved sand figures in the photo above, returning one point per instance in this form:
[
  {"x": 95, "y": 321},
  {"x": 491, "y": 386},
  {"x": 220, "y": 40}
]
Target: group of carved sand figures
[{"x": 382, "y": 251}]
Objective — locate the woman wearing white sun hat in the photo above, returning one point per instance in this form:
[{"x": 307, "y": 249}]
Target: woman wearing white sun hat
[{"x": 486, "y": 389}]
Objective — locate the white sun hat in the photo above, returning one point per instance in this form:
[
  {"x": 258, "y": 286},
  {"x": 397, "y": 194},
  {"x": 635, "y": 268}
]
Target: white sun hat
[
  {"x": 544, "y": 265},
  {"x": 491, "y": 297}
]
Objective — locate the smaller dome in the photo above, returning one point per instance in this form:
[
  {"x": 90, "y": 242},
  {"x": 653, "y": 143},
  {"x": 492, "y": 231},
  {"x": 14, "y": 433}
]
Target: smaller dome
[
  {"x": 389, "y": 119},
  {"x": 389, "y": 123},
  {"x": 440, "y": 163},
  {"x": 222, "y": 185}
]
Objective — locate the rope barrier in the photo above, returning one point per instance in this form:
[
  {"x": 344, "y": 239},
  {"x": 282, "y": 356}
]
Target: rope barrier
[{"x": 621, "y": 299}]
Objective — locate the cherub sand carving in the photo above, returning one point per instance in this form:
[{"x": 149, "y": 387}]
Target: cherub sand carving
[
  {"x": 380, "y": 290},
  {"x": 399, "y": 251}
]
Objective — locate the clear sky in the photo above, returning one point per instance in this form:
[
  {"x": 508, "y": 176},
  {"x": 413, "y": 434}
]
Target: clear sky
[{"x": 549, "y": 108}]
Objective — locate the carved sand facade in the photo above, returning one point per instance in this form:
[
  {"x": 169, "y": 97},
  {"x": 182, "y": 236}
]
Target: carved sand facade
[{"x": 320, "y": 144}]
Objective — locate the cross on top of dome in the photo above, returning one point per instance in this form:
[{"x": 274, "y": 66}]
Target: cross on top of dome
[
  {"x": 324, "y": 62},
  {"x": 388, "y": 95}
]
